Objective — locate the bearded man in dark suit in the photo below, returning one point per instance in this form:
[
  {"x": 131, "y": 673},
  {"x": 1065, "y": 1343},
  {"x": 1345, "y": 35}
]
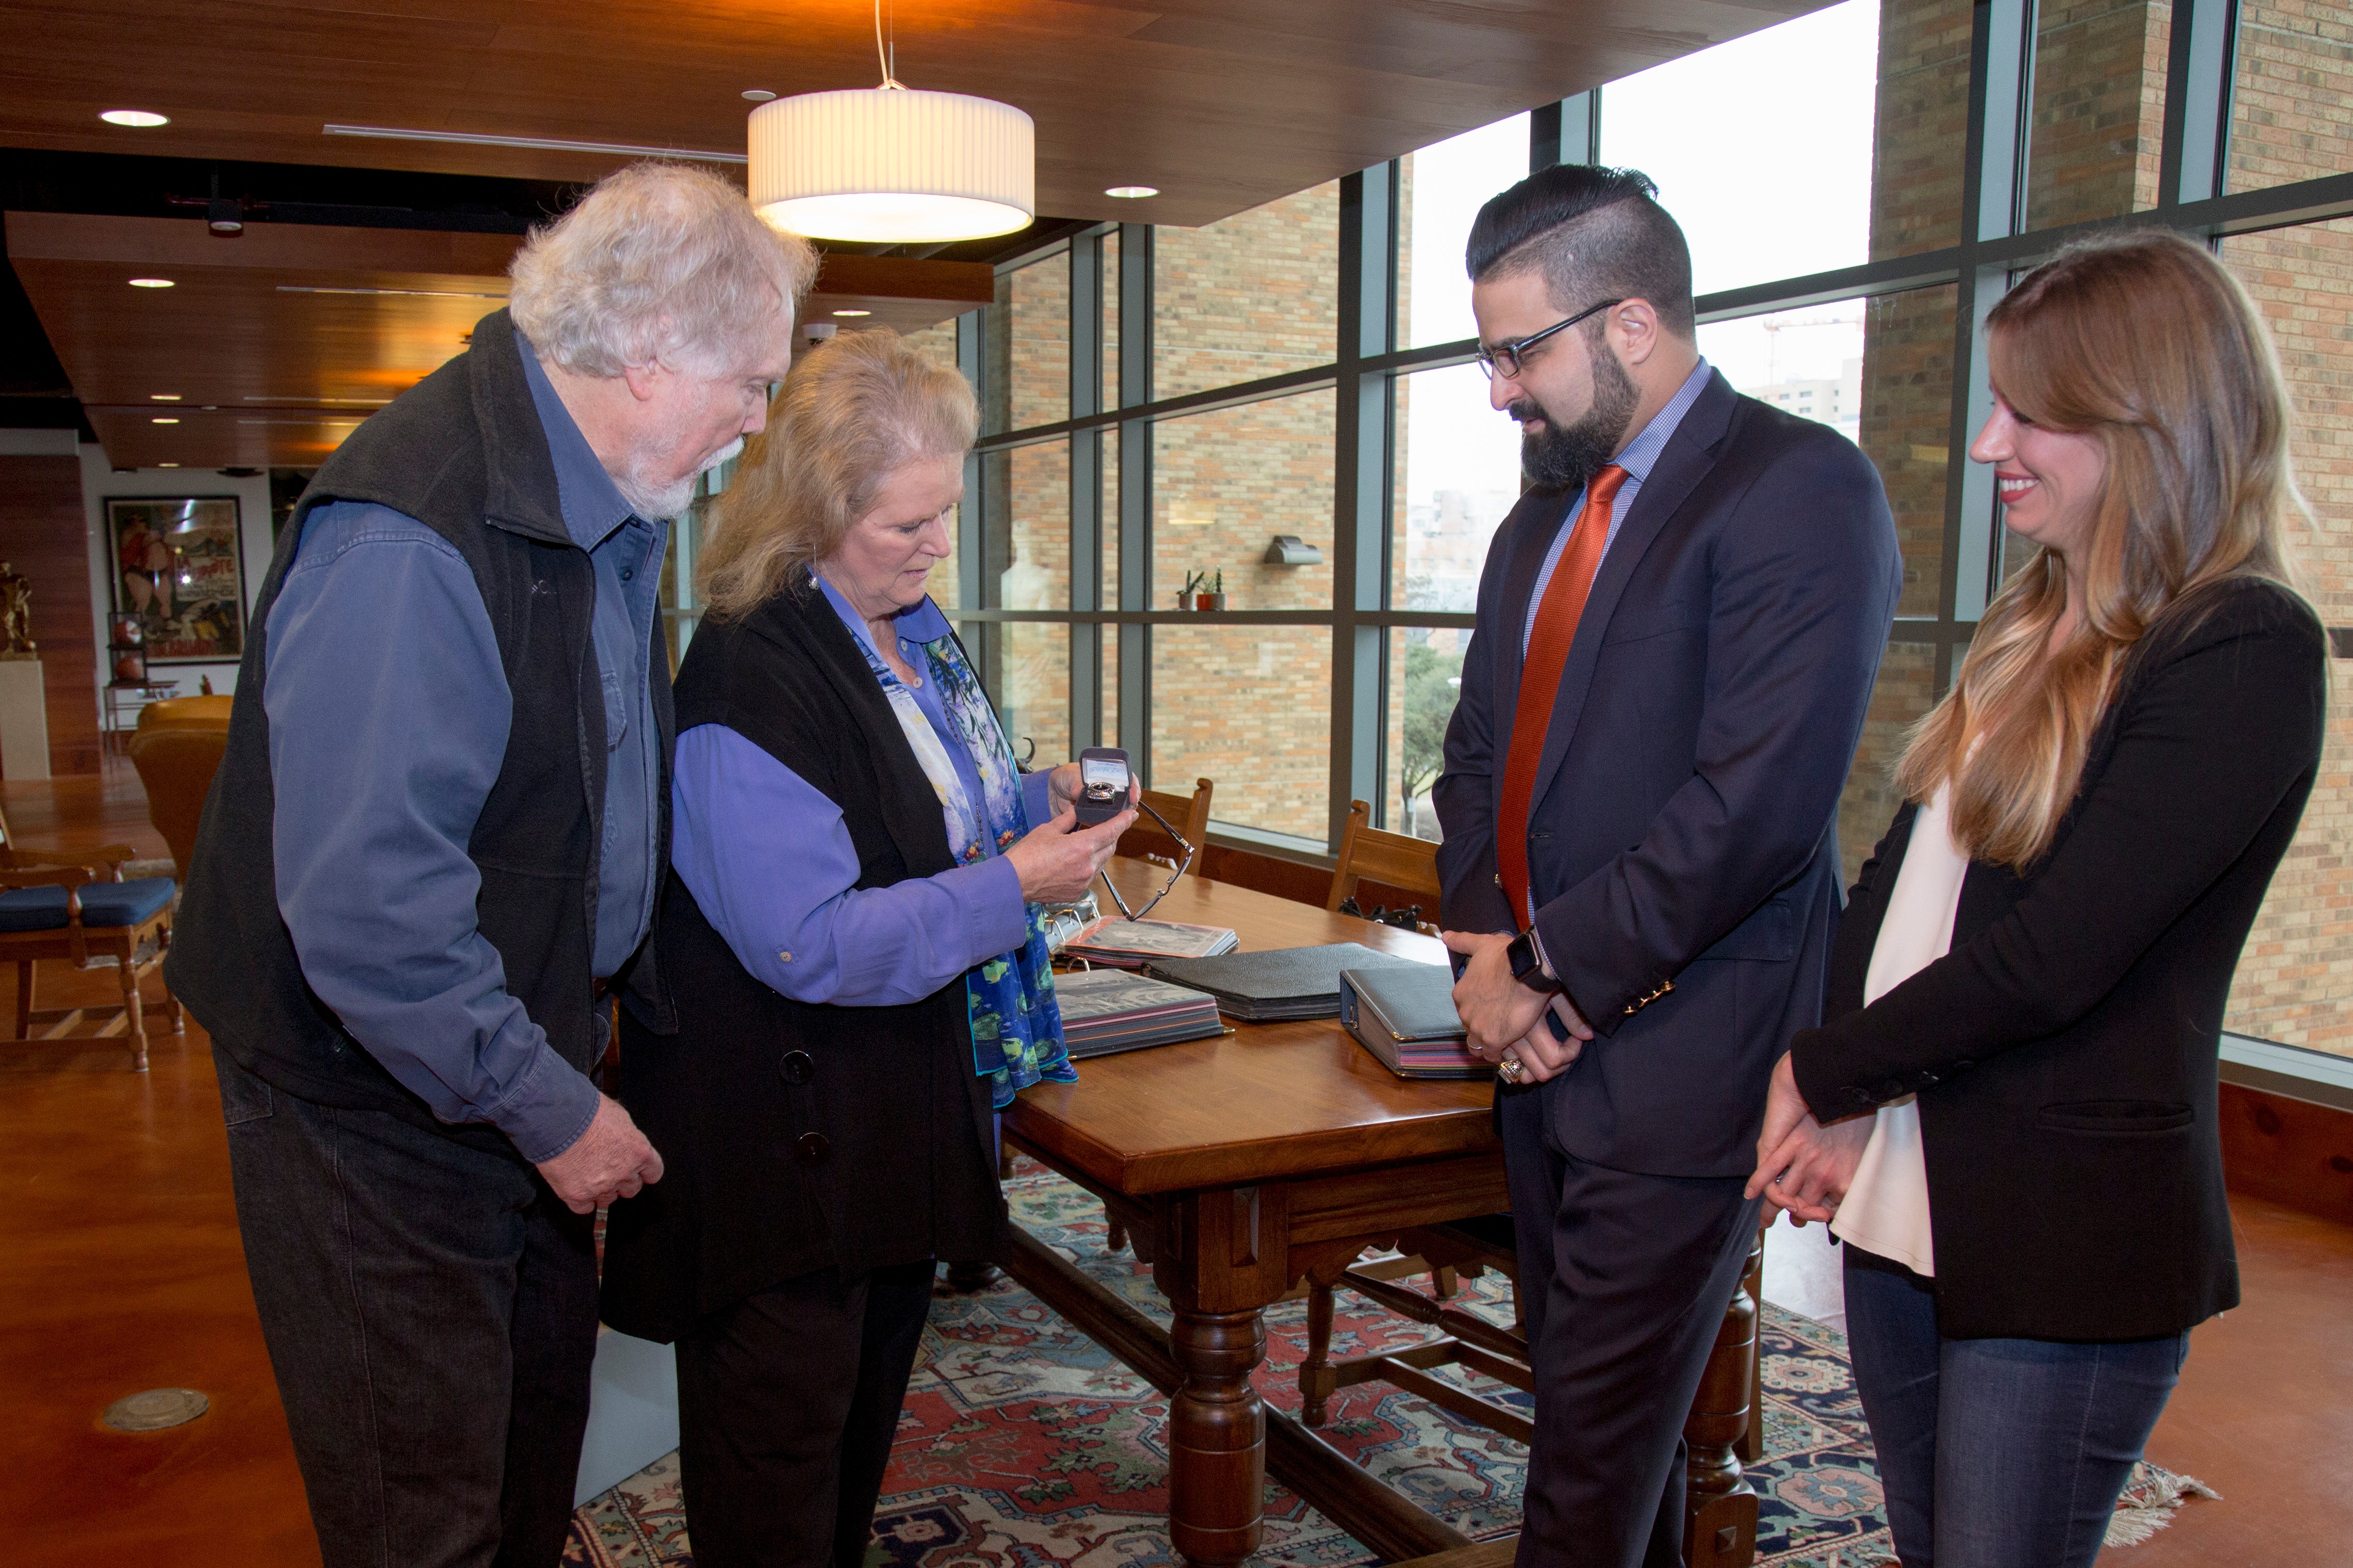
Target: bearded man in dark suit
[{"x": 1678, "y": 630}]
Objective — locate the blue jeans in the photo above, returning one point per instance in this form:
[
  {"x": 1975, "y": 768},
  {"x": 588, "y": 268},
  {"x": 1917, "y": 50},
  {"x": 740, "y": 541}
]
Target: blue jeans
[{"x": 1997, "y": 1453}]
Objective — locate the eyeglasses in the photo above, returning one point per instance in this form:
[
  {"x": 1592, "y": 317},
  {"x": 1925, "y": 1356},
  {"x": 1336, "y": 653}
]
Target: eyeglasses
[
  {"x": 1184, "y": 864},
  {"x": 1505, "y": 359}
]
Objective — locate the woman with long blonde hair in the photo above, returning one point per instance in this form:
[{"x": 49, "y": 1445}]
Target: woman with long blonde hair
[{"x": 2009, "y": 1111}]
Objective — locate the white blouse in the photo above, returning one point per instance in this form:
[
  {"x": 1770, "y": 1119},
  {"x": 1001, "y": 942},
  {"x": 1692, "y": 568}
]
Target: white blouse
[{"x": 1885, "y": 1210}]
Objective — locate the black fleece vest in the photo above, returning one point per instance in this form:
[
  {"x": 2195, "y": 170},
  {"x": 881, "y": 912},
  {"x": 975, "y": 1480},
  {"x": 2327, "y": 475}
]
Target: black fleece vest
[
  {"x": 797, "y": 1137},
  {"x": 464, "y": 454}
]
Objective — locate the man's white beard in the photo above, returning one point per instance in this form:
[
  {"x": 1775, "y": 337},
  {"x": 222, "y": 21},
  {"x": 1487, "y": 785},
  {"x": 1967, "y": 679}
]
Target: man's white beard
[
  {"x": 668, "y": 501},
  {"x": 661, "y": 505}
]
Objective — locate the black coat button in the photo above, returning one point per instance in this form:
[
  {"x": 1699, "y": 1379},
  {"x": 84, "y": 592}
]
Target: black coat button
[
  {"x": 797, "y": 1067},
  {"x": 812, "y": 1149}
]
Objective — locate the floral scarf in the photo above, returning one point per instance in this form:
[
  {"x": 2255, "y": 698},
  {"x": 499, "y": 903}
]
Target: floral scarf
[{"x": 1016, "y": 1024}]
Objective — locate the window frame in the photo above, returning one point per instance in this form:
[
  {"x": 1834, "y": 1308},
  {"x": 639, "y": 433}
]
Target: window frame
[{"x": 1113, "y": 402}]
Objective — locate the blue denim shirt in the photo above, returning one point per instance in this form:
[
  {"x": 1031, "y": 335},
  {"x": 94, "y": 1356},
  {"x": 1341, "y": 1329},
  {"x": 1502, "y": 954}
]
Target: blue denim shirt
[{"x": 388, "y": 720}]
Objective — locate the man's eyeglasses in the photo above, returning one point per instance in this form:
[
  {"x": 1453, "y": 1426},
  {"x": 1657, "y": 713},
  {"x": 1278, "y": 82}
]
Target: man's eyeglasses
[{"x": 1505, "y": 359}]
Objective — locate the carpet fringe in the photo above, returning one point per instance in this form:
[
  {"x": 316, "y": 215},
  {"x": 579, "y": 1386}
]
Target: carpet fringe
[{"x": 2149, "y": 1502}]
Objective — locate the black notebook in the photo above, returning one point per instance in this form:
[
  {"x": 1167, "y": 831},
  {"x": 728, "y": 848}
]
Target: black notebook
[{"x": 1278, "y": 983}]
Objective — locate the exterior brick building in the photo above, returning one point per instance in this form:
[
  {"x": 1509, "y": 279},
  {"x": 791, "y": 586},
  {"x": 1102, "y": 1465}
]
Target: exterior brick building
[{"x": 1255, "y": 295}]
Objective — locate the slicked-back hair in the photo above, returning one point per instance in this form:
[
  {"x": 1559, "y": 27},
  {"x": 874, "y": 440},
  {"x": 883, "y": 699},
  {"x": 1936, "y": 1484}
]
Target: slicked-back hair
[{"x": 1595, "y": 232}]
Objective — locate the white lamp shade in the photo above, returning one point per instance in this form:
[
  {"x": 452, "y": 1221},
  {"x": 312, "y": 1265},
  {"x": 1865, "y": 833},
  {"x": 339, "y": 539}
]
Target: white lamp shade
[{"x": 894, "y": 164}]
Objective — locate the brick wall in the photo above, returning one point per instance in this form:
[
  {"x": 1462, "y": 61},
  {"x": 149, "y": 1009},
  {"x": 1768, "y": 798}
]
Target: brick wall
[
  {"x": 2098, "y": 109},
  {"x": 2292, "y": 119},
  {"x": 1256, "y": 295}
]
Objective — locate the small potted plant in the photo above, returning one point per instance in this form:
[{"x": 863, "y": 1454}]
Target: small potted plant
[{"x": 1203, "y": 591}]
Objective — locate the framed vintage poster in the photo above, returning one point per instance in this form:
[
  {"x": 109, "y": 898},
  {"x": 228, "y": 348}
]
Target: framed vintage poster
[{"x": 180, "y": 573}]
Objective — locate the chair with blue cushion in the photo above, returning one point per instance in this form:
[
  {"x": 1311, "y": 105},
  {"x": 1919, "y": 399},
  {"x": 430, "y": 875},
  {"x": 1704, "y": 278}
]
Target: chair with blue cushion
[{"x": 61, "y": 904}]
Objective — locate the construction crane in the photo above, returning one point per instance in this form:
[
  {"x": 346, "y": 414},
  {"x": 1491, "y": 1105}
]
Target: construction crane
[{"x": 1775, "y": 325}]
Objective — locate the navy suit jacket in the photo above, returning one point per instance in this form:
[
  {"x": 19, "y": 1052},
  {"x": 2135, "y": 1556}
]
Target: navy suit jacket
[{"x": 1683, "y": 846}]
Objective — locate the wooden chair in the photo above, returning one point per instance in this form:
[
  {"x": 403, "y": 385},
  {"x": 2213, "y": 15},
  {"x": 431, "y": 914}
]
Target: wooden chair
[
  {"x": 1390, "y": 859},
  {"x": 1724, "y": 1427},
  {"x": 176, "y": 754},
  {"x": 1188, "y": 813},
  {"x": 76, "y": 906}
]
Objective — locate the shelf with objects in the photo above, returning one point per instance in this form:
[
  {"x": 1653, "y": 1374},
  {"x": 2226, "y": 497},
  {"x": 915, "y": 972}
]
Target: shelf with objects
[{"x": 128, "y": 686}]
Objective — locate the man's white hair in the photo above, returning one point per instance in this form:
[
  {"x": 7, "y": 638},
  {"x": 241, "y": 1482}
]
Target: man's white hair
[{"x": 661, "y": 263}]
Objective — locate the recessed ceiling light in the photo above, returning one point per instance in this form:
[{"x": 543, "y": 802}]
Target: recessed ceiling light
[
  {"x": 1130, "y": 192},
  {"x": 162, "y": 397},
  {"x": 758, "y": 94},
  {"x": 151, "y": 283},
  {"x": 853, "y": 313},
  {"x": 167, "y": 465},
  {"x": 146, "y": 120},
  {"x": 162, "y": 421}
]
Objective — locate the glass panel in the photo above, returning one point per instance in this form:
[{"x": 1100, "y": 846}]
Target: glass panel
[
  {"x": 1250, "y": 707},
  {"x": 938, "y": 342},
  {"x": 2291, "y": 102},
  {"x": 1037, "y": 687},
  {"x": 1030, "y": 346},
  {"x": 1425, "y": 678},
  {"x": 1110, "y": 686},
  {"x": 1108, "y": 595},
  {"x": 2296, "y": 977},
  {"x": 1906, "y": 690},
  {"x": 2099, "y": 109},
  {"x": 1922, "y": 123},
  {"x": 1108, "y": 326},
  {"x": 1442, "y": 189},
  {"x": 1224, "y": 484},
  {"x": 1458, "y": 475},
  {"x": 1254, "y": 295},
  {"x": 1736, "y": 195},
  {"x": 1034, "y": 574},
  {"x": 1879, "y": 371}
]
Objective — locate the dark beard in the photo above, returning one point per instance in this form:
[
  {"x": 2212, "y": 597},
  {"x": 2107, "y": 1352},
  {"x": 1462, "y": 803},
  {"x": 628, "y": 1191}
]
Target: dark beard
[{"x": 1566, "y": 456}]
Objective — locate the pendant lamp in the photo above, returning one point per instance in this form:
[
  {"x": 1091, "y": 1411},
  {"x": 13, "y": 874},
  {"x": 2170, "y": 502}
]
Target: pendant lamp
[{"x": 894, "y": 164}]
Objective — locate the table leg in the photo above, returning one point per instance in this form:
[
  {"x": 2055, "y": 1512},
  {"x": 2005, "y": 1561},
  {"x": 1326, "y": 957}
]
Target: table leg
[
  {"x": 1217, "y": 1436},
  {"x": 1720, "y": 1517}
]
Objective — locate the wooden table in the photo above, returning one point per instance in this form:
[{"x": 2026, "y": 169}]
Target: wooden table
[{"x": 1240, "y": 1165}]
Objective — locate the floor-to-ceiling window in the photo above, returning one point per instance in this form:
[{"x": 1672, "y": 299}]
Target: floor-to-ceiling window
[{"x": 1280, "y": 407}]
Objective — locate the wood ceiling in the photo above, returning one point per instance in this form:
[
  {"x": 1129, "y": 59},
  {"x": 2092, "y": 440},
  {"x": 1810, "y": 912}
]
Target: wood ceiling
[
  {"x": 268, "y": 349},
  {"x": 1221, "y": 104}
]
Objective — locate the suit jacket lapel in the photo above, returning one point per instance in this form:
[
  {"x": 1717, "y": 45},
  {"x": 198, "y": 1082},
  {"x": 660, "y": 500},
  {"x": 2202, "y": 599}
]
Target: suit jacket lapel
[{"x": 1689, "y": 454}]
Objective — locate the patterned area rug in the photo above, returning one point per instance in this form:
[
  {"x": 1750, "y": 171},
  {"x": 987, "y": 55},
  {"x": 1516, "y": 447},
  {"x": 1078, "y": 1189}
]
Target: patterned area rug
[{"x": 1023, "y": 1445}]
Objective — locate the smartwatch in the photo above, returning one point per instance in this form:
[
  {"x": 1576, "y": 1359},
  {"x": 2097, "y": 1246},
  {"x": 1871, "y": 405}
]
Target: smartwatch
[{"x": 1527, "y": 964}]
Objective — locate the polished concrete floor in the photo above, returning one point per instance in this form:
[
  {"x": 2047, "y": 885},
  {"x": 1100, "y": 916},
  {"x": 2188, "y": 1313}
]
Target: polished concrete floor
[{"x": 121, "y": 1270}]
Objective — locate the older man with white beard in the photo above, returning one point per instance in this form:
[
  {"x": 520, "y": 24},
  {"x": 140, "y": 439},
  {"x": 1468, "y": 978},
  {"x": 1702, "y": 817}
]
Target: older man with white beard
[{"x": 432, "y": 852}]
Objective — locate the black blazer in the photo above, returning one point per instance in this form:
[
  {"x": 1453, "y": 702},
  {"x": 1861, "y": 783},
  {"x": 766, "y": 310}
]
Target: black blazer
[
  {"x": 797, "y": 1137},
  {"x": 1680, "y": 837},
  {"x": 2064, "y": 1052}
]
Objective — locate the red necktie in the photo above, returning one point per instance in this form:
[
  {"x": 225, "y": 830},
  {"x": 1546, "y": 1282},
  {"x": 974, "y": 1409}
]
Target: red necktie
[{"x": 1555, "y": 628}]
